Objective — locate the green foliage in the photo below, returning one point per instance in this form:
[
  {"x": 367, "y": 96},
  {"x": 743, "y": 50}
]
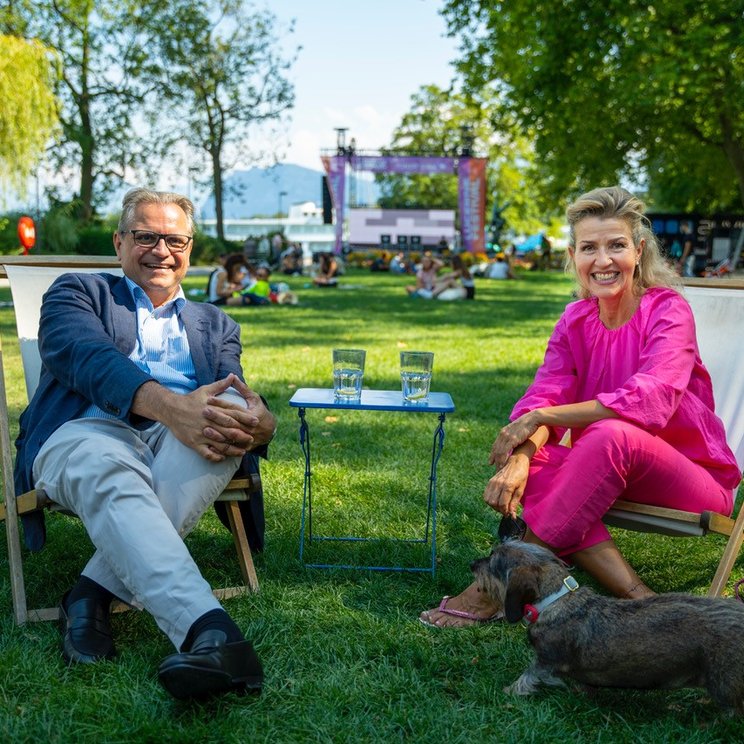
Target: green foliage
[
  {"x": 207, "y": 249},
  {"x": 436, "y": 125},
  {"x": 9, "y": 243},
  {"x": 95, "y": 240},
  {"x": 618, "y": 89},
  {"x": 104, "y": 59},
  {"x": 28, "y": 114},
  {"x": 60, "y": 231}
]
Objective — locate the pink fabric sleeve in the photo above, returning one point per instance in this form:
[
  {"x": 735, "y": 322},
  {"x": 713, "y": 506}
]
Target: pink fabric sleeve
[
  {"x": 667, "y": 357},
  {"x": 555, "y": 380}
]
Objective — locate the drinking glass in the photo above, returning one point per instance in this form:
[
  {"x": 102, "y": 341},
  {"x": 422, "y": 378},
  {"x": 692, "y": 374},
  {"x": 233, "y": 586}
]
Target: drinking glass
[
  {"x": 348, "y": 372},
  {"x": 415, "y": 375}
]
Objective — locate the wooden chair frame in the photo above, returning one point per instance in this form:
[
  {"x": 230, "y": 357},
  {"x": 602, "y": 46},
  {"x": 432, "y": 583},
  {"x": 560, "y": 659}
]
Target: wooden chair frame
[
  {"x": 645, "y": 518},
  {"x": 239, "y": 489}
]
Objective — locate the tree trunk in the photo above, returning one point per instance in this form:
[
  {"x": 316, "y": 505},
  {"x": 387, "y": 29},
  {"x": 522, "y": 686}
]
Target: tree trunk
[
  {"x": 214, "y": 153},
  {"x": 86, "y": 140}
]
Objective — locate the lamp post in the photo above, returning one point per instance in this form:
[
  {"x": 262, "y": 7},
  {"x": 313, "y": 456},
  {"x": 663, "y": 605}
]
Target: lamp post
[{"x": 282, "y": 194}]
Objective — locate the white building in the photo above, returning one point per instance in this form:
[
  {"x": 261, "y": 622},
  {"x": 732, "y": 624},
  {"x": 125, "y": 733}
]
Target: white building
[{"x": 303, "y": 225}]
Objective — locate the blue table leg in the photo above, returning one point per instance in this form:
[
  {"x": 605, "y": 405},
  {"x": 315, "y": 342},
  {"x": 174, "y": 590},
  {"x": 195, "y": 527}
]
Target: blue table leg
[
  {"x": 307, "y": 500},
  {"x": 431, "y": 511}
]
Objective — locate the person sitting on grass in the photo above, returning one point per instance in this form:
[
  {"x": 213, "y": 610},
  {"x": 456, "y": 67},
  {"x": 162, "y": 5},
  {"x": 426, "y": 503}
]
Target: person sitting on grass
[
  {"x": 622, "y": 374},
  {"x": 229, "y": 280},
  {"x": 327, "y": 275},
  {"x": 457, "y": 285},
  {"x": 426, "y": 277},
  {"x": 500, "y": 268}
]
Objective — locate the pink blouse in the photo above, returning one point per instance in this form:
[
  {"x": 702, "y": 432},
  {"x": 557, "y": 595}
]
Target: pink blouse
[{"x": 648, "y": 371}]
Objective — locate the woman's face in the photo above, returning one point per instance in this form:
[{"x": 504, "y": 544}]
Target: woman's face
[{"x": 605, "y": 256}]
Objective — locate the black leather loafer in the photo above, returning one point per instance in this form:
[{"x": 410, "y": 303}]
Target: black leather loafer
[
  {"x": 212, "y": 667},
  {"x": 86, "y": 631}
]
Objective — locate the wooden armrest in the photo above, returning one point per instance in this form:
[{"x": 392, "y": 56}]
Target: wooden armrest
[
  {"x": 29, "y": 502},
  {"x": 657, "y": 511},
  {"x": 250, "y": 483}
]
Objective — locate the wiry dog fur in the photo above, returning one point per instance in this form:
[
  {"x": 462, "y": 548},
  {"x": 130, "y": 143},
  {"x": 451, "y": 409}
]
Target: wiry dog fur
[{"x": 666, "y": 641}]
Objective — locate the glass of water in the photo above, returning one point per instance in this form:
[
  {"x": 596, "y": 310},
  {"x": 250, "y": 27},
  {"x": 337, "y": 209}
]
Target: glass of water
[
  {"x": 415, "y": 375},
  {"x": 348, "y": 372}
]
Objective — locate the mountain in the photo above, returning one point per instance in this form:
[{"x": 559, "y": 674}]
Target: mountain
[{"x": 255, "y": 192}]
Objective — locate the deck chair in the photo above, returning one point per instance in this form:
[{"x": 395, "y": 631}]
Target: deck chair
[
  {"x": 718, "y": 307},
  {"x": 29, "y": 278}
]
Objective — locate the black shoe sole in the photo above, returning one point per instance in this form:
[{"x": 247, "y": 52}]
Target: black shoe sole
[{"x": 186, "y": 681}]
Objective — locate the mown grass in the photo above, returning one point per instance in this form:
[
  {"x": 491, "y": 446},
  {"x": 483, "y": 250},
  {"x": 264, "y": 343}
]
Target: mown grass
[{"x": 345, "y": 658}]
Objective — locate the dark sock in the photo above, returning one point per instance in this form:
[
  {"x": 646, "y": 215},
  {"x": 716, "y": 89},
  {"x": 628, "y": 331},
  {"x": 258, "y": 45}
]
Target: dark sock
[
  {"x": 213, "y": 620},
  {"x": 88, "y": 589}
]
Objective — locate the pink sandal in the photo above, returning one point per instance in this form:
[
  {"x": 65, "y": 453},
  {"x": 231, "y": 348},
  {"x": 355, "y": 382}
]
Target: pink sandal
[{"x": 461, "y": 613}]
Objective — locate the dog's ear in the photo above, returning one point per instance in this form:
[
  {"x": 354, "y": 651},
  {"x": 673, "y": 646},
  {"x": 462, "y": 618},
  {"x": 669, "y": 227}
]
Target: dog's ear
[{"x": 521, "y": 590}]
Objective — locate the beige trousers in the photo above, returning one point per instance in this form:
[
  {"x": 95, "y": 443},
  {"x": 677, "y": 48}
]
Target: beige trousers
[{"x": 138, "y": 493}]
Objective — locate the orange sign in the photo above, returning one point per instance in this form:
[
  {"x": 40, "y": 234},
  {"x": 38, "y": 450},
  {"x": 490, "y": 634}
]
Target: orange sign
[{"x": 26, "y": 233}]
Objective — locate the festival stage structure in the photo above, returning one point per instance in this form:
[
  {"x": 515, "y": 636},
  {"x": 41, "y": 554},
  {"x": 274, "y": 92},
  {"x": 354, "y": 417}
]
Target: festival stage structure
[{"x": 470, "y": 171}]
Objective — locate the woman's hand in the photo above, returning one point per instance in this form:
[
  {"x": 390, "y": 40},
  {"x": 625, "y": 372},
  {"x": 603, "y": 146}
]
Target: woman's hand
[
  {"x": 511, "y": 436},
  {"x": 504, "y": 491}
]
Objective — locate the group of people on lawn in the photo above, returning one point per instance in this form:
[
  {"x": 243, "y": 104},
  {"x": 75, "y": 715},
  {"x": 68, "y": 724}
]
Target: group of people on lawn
[{"x": 142, "y": 416}]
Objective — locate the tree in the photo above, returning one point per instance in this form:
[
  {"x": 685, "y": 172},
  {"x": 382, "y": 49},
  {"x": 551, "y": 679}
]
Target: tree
[
  {"x": 103, "y": 57},
  {"x": 442, "y": 122},
  {"x": 28, "y": 115},
  {"x": 225, "y": 73},
  {"x": 618, "y": 89}
]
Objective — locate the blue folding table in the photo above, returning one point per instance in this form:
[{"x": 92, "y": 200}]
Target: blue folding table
[{"x": 371, "y": 400}]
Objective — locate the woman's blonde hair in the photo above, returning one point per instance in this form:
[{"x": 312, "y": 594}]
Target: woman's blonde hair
[{"x": 614, "y": 202}]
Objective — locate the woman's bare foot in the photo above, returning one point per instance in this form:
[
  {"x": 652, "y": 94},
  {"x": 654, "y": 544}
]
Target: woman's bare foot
[{"x": 471, "y": 607}]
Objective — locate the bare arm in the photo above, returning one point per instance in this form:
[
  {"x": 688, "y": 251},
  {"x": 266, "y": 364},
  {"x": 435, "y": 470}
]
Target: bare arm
[
  {"x": 521, "y": 429},
  {"x": 518, "y": 441}
]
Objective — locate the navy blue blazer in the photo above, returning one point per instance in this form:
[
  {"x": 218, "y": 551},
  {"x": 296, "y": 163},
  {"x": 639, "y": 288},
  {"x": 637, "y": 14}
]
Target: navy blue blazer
[{"x": 87, "y": 330}]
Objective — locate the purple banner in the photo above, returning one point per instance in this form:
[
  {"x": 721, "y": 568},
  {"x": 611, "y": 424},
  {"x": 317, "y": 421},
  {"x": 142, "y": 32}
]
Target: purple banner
[
  {"x": 335, "y": 168},
  {"x": 472, "y": 202},
  {"x": 404, "y": 164}
]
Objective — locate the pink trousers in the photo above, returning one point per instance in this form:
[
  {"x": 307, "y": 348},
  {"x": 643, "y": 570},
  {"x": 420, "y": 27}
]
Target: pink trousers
[{"x": 570, "y": 489}]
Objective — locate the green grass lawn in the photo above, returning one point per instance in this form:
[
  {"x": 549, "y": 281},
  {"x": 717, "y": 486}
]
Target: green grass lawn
[{"x": 345, "y": 658}]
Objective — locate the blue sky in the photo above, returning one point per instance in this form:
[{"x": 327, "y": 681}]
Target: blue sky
[{"x": 360, "y": 63}]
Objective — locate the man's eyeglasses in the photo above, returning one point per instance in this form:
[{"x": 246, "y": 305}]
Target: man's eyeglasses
[{"x": 147, "y": 239}]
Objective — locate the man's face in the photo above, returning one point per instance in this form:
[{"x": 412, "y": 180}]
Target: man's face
[{"x": 158, "y": 271}]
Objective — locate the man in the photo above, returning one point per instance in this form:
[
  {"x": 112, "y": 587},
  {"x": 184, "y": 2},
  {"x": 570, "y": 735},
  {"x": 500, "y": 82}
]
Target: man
[{"x": 140, "y": 419}]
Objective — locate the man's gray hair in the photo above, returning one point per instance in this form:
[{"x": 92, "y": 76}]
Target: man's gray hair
[{"x": 135, "y": 197}]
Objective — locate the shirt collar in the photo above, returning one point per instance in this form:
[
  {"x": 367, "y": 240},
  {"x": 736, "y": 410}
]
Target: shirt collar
[{"x": 140, "y": 297}]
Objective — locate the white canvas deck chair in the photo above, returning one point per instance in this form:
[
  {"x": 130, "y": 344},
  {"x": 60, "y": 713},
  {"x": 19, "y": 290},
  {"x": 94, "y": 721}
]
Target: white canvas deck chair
[
  {"x": 29, "y": 278},
  {"x": 718, "y": 307}
]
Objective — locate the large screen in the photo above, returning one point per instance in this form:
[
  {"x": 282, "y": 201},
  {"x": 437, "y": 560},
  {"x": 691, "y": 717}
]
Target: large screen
[{"x": 419, "y": 227}]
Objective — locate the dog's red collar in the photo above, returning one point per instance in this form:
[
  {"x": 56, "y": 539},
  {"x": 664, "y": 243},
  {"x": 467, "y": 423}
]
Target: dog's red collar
[{"x": 530, "y": 613}]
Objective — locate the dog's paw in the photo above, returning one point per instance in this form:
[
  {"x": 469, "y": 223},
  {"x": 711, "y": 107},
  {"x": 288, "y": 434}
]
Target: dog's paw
[{"x": 525, "y": 685}]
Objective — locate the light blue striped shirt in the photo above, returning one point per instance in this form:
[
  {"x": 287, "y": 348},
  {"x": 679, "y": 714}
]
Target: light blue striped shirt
[{"x": 162, "y": 348}]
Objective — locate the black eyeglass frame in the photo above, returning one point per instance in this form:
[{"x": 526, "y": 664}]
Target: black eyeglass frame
[{"x": 160, "y": 236}]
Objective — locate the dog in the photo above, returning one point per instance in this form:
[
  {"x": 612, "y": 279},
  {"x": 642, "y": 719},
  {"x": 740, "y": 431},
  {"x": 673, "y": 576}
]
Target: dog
[{"x": 665, "y": 641}]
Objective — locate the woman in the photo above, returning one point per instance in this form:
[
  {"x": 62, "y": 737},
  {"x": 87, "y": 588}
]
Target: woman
[
  {"x": 327, "y": 275},
  {"x": 229, "y": 280},
  {"x": 457, "y": 285},
  {"x": 622, "y": 372},
  {"x": 426, "y": 278}
]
